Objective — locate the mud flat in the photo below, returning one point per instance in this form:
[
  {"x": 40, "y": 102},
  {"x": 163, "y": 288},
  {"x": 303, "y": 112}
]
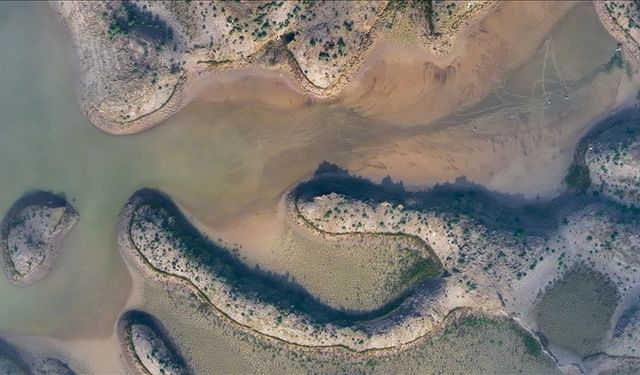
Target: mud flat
[
  {"x": 502, "y": 256},
  {"x": 31, "y": 235},
  {"x": 147, "y": 346}
]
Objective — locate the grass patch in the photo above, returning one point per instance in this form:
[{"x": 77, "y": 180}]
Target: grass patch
[
  {"x": 531, "y": 345},
  {"x": 475, "y": 321},
  {"x": 575, "y": 312},
  {"x": 131, "y": 18},
  {"x": 419, "y": 270}
]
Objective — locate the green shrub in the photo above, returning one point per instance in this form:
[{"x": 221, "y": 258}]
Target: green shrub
[{"x": 578, "y": 178}]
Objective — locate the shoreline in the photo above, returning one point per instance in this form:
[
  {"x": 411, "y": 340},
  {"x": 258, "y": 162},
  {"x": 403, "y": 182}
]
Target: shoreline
[{"x": 437, "y": 326}]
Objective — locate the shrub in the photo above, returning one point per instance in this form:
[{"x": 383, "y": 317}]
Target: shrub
[{"x": 578, "y": 178}]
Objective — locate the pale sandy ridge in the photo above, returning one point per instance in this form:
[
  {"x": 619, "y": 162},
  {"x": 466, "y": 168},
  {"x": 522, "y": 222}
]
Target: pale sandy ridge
[
  {"x": 120, "y": 97},
  {"x": 262, "y": 317}
]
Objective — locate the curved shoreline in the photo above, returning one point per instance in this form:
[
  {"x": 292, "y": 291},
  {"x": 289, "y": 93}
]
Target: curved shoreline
[
  {"x": 444, "y": 321},
  {"x": 51, "y": 244},
  {"x": 146, "y": 121},
  {"x": 492, "y": 222}
]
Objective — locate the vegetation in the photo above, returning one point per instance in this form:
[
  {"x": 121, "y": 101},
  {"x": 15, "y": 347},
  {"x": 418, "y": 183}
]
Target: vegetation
[
  {"x": 419, "y": 270},
  {"x": 476, "y": 321},
  {"x": 531, "y": 345},
  {"x": 115, "y": 30},
  {"x": 576, "y": 311},
  {"x": 616, "y": 61},
  {"x": 427, "y": 7},
  {"x": 130, "y": 18},
  {"x": 578, "y": 178}
]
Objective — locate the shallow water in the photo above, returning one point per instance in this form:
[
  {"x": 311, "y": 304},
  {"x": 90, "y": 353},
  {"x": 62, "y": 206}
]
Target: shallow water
[{"x": 228, "y": 163}]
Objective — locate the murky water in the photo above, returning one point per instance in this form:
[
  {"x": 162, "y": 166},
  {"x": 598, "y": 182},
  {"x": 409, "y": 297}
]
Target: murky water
[{"x": 229, "y": 163}]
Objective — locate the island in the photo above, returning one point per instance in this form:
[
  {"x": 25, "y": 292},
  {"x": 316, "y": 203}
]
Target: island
[{"x": 18, "y": 361}]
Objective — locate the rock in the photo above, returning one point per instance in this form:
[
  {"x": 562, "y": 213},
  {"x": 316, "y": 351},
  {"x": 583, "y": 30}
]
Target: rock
[
  {"x": 31, "y": 235},
  {"x": 52, "y": 366},
  {"x": 148, "y": 346}
]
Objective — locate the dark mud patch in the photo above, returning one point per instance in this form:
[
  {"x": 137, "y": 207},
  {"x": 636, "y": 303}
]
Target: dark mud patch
[{"x": 575, "y": 312}]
